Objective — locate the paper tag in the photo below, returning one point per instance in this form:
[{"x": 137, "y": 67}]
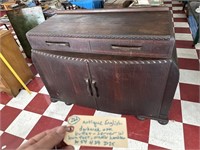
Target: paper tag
[{"x": 97, "y": 131}]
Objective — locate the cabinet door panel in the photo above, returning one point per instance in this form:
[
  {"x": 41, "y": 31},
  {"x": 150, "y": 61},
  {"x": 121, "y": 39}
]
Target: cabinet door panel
[
  {"x": 64, "y": 78},
  {"x": 130, "y": 87}
]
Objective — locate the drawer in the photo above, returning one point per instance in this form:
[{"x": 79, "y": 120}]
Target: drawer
[
  {"x": 136, "y": 48},
  {"x": 59, "y": 43}
]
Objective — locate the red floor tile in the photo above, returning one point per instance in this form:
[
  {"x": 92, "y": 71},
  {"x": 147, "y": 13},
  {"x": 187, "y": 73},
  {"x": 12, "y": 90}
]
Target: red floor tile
[
  {"x": 33, "y": 69},
  {"x": 8, "y": 115},
  {"x": 198, "y": 53},
  {"x": 36, "y": 84},
  {"x": 191, "y": 64},
  {"x": 137, "y": 129},
  {"x": 180, "y": 20},
  {"x": 192, "y": 137},
  {"x": 43, "y": 124},
  {"x": 177, "y": 5},
  {"x": 9, "y": 141},
  {"x": 170, "y": 8},
  {"x": 189, "y": 92},
  {"x": 28, "y": 60},
  {"x": 153, "y": 147},
  {"x": 182, "y": 30},
  {"x": 178, "y": 12},
  {"x": 79, "y": 110},
  {"x": 39, "y": 103},
  {"x": 175, "y": 111},
  {"x": 4, "y": 98},
  {"x": 184, "y": 44},
  {"x": 167, "y": 2}
]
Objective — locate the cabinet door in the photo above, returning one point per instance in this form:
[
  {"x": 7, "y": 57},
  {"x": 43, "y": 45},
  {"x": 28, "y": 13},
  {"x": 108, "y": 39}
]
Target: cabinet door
[
  {"x": 130, "y": 87},
  {"x": 65, "y": 78}
]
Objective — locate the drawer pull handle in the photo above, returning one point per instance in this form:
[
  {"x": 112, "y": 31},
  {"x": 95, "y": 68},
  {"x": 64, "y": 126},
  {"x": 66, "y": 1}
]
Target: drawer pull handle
[
  {"x": 89, "y": 89},
  {"x": 95, "y": 89},
  {"x": 126, "y": 48},
  {"x": 50, "y": 43}
]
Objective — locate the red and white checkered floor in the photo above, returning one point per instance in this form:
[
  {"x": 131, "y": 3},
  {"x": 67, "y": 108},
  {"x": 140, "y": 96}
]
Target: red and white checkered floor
[{"x": 26, "y": 115}]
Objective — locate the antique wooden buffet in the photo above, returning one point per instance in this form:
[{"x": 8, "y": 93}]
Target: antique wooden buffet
[{"x": 120, "y": 60}]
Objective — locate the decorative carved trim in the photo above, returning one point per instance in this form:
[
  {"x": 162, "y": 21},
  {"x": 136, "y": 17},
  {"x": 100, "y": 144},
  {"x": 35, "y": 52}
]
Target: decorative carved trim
[
  {"x": 105, "y": 61},
  {"x": 132, "y": 37}
]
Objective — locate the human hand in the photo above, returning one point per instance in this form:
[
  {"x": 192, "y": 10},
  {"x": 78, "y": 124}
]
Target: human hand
[{"x": 49, "y": 139}]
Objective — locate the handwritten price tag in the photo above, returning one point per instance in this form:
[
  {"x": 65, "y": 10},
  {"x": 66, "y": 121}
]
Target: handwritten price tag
[{"x": 97, "y": 131}]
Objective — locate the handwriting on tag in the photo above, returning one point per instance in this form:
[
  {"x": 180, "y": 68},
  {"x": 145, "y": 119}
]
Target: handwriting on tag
[{"x": 97, "y": 131}]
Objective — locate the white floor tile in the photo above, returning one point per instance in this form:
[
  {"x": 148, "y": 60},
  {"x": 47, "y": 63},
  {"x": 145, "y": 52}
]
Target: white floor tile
[
  {"x": 179, "y": 16},
  {"x": 187, "y": 53},
  {"x": 191, "y": 112},
  {"x": 177, "y": 93},
  {"x": 181, "y": 24},
  {"x": 3, "y": 147},
  {"x": 23, "y": 124},
  {"x": 24, "y": 141},
  {"x": 177, "y": 8},
  {"x": 197, "y": 46},
  {"x": 168, "y": 136},
  {"x": 176, "y": 2},
  {"x": 1, "y": 106},
  {"x": 183, "y": 36},
  {"x": 58, "y": 110},
  {"x": 44, "y": 91},
  {"x": 22, "y": 99},
  {"x": 134, "y": 145},
  {"x": 29, "y": 64},
  {"x": 65, "y": 123},
  {"x": 76, "y": 147},
  {"x": 102, "y": 113},
  {"x": 1, "y": 132},
  {"x": 189, "y": 76},
  {"x": 24, "y": 55},
  {"x": 168, "y": 5},
  {"x": 37, "y": 75}
]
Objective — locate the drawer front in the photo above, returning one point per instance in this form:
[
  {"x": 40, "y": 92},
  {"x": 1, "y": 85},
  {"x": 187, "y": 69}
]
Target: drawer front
[
  {"x": 59, "y": 44},
  {"x": 136, "y": 48}
]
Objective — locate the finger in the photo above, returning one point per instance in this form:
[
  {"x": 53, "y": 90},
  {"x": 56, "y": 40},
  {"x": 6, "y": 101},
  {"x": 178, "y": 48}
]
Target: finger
[
  {"x": 36, "y": 138},
  {"x": 69, "y": 147},
  {"x": 33, "y": 140},
  {"x": 51, "y": 139}
]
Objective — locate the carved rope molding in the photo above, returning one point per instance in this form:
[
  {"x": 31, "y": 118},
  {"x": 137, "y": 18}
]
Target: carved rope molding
[
  {"x": 133, "y": 37},
  {"x": 105, "y": 61}
]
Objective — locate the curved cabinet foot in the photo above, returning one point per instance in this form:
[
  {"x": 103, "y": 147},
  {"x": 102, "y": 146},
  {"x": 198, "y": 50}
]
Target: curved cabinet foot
[
  {"x": 68, "y": 103},
  {"x": 163, "y": 122},
  {"x": 54, "y": 100},
  {"x": 141, "y": 118}
]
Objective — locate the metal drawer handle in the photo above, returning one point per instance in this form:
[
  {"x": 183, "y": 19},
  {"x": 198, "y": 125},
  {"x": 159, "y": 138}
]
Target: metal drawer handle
[
  {"x": 49, "y": 43},
  {"x": 95, "y": 89},
  {"x": 126, "y": 48},
  {"x": 89, "y": 88}
]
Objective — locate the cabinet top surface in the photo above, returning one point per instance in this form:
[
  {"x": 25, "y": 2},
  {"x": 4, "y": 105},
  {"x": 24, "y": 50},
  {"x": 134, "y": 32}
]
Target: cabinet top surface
[{"x": 116, "y": 24}]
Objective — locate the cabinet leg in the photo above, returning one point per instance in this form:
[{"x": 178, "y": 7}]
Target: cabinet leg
[
  {"x": 141, "y": 118},
  {"x": 54, "y": 100},
  {"x": 67, "y": 103},
  {"x": 163, "y": 122}
]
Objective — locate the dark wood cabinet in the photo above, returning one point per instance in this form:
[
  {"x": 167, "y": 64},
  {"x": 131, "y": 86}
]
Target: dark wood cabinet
[{"x": 124, "y": 65}]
